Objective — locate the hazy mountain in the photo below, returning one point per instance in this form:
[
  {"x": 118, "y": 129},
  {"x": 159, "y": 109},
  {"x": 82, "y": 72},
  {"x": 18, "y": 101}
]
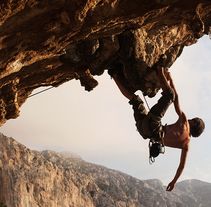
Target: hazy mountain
[{"x": 31, "y": 179}]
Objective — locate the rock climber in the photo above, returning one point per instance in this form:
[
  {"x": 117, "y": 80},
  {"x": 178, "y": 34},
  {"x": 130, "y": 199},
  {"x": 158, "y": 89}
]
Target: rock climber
[{"x": 149, "y": 124}]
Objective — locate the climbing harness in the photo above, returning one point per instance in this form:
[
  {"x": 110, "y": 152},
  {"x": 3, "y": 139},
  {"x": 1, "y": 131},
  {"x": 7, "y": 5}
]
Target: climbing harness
[{"x": 41, "y": 91}]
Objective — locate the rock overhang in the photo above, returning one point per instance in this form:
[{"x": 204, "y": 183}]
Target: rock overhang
[{"x": 47, "y": 43}]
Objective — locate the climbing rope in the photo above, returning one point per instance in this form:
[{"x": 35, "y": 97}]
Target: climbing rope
[
  {"x": 209, "y": 32},
  {"x": 41, "y": 91},
  {"x": 146, "y": 102},
  {"x": 32, "y": 95}
]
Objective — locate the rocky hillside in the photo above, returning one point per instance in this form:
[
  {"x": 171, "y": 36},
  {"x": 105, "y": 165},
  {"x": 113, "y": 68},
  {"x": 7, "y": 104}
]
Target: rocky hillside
[
  {"x": 195, "y": 190},
  {"x": 42, "y": 179},
  {"x": 49, "y": 42}
]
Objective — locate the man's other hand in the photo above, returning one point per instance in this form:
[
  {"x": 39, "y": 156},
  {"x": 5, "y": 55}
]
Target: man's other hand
[{"x": 170, "y": 186}]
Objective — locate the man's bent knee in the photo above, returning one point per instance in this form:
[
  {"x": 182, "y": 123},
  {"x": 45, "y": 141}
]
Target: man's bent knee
[{"x": 135, "y": 101}]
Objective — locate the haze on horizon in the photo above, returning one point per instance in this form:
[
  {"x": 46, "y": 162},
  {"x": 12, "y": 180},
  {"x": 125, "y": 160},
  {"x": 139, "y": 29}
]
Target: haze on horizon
[{"x": 99, "y": 126}]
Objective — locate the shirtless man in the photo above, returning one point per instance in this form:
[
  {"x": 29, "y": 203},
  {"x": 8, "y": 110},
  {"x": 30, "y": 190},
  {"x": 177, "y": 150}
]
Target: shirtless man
[{"x": 149, "y": 125}]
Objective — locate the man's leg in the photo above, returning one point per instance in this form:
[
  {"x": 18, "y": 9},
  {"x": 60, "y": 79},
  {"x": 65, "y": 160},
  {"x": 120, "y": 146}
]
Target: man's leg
[
  {"x": 139, "y": 111},
  {"x": 159, "y": 109},
  {"x": 122, "y": 83},
  {"x": 166, "y": 99},
  {"x": 138, "y": 106}
]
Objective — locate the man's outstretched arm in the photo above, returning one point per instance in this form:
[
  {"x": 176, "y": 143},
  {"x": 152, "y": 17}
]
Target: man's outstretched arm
[
  {"x": 184, "y": 151},
  {"x": 183, "y": 157}
]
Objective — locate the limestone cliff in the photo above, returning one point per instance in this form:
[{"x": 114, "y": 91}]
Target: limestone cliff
[
  {"x": 49, "y": 42},
  {"x": 42, "y": 179}
]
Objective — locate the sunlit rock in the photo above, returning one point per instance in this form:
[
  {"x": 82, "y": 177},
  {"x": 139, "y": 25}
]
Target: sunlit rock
[{"x": 46, "y": 43}]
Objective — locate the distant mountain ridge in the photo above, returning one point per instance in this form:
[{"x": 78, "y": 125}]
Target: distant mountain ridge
[{"x": 49, "y": 179}]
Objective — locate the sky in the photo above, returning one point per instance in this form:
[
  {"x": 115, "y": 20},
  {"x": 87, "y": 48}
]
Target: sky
[{"x": 99, "y": 125}]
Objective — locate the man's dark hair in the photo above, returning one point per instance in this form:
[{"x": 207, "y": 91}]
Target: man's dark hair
[{"x": 196, "y": 127}]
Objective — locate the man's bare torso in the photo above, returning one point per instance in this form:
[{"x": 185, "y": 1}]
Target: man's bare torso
[{"x": 177, "y": 134}]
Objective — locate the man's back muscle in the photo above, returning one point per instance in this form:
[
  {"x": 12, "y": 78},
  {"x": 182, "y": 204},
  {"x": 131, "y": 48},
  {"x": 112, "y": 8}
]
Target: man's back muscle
[{"x": 177, "y": 134}]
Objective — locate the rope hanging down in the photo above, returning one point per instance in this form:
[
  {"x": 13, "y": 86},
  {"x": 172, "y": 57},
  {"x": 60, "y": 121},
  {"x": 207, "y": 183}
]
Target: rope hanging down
[
  {"x": 146, "y": 102},
  {"x": 41, "y": 91}
]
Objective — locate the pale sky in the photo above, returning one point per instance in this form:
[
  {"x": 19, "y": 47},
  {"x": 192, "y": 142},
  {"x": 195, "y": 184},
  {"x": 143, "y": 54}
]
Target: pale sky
[{"x": 99, "y": 125}]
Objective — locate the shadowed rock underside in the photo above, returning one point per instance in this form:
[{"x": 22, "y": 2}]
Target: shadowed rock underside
[{"x": 47, "y": 43}]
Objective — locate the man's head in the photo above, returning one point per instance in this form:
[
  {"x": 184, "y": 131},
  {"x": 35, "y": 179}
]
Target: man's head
[{"x": 196, "y": 127}]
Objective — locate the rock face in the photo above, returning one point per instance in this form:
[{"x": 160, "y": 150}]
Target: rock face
[
  {"x": 32, "y": 179},
  {"x": 46, "y": 43}
]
